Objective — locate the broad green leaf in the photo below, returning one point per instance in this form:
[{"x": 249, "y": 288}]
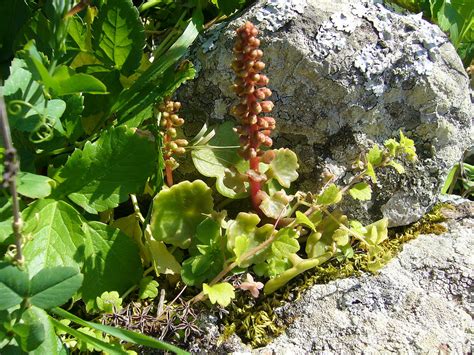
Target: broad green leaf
[
  {"x": 361, "y": 191},
  {"x": 34, "y": 186},
  {"x": 275, "y": 206},
  {"x": 357, "y": 227},
  {"x": 79, "y": 33},
  {"x": 129, "y": 158},
  {"x": 285, "y": 243},
  {"x": 109, "y": 302},
  {"x": 123, "y": 334},
  {"x": 221, "y": 293},
  {"x": 375, "y": 155},
  {"x": 233, "y": 184},
  {"x": 178, "y": 211},
  {"x": 320, "y": 243},
  {"x": 50, "y": 344},
  {"x": 284, "y": 167},
  {"x": 118, "y": 35},
  {"x": 130, "y": 226},
  {"x": 148, "y": 288},
  {"x": 54, "y": 286},
  {"x": 163, "y": 261},
  {"x": 302, "y": 219},
  {"x": 56, "y": 235},
  {"x": 36, "y": 64},
  {"x": 70, "y": 83},
  {"x": 112, "y": 262},
  {"x": 213, "y": 162},
  {"x": 71, "y": 118},
  {"x": 331, "y": 195},
  {"x": 14, "y": 285},
  {"x": 29, "y": 332}
]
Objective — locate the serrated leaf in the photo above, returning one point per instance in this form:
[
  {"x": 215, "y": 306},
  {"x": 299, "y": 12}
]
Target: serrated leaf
[
  {"x": 178, "y": 211},
  {"x": 109, "y": 302},
  {"x": 112, "y": 262},
  {"x": 285, "y": 243},
  {"x": 375, "y": 155},
  {"x": 397, "y": 166},
  {"x": 14, "y": 285},
  {"x": 302, "y": 219},
  {"x": 276, "y": 205},
  {"x": 85, "y": 181},
  {"x": 392, "y": 146},
  {"x": 163, "y": 261},
  {"x": 357, "y": 227},
  {"x": 331, "y": 195},
  {"x": 118, "y": 35},
  {"x": 221, "y": 293},
  {"x": 213, "y": 162},
  {"x": 284, "y": 167},
  {"x": 341, "y": 237},
  {"x": 148, "y": 288},
  {"x": 54, "y": 286},
  {"x": 55, "y": 232},
  {"x": 34, "y": 186},
  {"x": 408, "y": 147},
  {"x": 361, "y": 191}
]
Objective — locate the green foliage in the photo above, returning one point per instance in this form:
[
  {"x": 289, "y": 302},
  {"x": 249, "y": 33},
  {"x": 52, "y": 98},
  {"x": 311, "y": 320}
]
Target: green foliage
[
  {"x": 221, "y": 293},
  {"x": 81, "y": 94}
]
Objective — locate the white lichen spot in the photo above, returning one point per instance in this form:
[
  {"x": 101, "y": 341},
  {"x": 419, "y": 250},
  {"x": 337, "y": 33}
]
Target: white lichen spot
[
  {"x": 277, "y": 13},
  {"x": 345, "y": 22}
]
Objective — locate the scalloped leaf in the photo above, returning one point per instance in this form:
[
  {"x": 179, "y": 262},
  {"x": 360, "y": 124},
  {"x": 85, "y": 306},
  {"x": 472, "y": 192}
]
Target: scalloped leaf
[
  {"x": 118, "y": 35},
  {"x": 109, "y": 302},
  {"x": 221, "y": 293},
  {"x": 285, "y": 243},
  {"x": 148, "y": 288},
  {"x": 232, "y": 184},
  {"x": 377, "y": 232},
  {"x": 361, "y": 191},
  {"x": 375, "y": 155},
  {"x": 284, "y": 167},
  {"x": 178, "y": 211},
  {"x": 276, "y": 205},
  {"x": 245, "y": 225},
  {"x": 331, "y": 195}
]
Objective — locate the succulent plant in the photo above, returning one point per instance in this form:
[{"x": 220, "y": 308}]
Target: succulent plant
[{"x": 254, "y": 126}]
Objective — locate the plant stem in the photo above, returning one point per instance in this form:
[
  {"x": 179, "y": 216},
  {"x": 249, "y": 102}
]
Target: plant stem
[{"x": 11, "y": 169}]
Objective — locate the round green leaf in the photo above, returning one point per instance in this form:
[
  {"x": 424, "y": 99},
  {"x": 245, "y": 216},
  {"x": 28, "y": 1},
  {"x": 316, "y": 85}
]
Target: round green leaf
[
  {"x": 221, "y": 293},
  {"x": 331, "y": 195},
  {"x": 361, "y": 191},
  {"x": 283, "y": 167},
  {"x": 178, "y": 211}
]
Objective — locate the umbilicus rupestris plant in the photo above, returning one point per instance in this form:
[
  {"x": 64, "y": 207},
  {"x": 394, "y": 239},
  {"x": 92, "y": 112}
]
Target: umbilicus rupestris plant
[{"x": 254, "y": 127}]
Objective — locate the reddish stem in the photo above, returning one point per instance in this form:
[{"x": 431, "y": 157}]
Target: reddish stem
[{"x": 254, "y": 162}]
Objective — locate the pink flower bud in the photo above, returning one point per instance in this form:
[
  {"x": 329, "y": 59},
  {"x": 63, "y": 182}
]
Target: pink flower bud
[{"x": 267, "y": 106}]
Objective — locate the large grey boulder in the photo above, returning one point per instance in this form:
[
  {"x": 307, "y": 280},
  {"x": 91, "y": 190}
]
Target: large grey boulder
[
  {"x": 419, "y": 303},
  {"x": 346, "y": 74}
]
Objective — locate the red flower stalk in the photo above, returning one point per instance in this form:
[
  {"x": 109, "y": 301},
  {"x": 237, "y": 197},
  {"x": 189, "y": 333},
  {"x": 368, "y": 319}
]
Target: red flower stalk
[
  {"x": 171, "y": 145},
  {"x": 254, "y": 127}
]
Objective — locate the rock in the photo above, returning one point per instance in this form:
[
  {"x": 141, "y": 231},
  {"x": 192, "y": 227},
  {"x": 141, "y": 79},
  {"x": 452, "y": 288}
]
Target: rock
[
  {"x": 418, "y": 303},
  {"x": 344, "y": 75}
]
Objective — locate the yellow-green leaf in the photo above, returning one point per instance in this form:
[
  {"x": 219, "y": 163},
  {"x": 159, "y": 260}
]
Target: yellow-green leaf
[{"x": 221, "y": 293}]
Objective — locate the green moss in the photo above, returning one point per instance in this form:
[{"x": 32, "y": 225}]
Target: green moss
[{"x": 255, "y": 321}]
